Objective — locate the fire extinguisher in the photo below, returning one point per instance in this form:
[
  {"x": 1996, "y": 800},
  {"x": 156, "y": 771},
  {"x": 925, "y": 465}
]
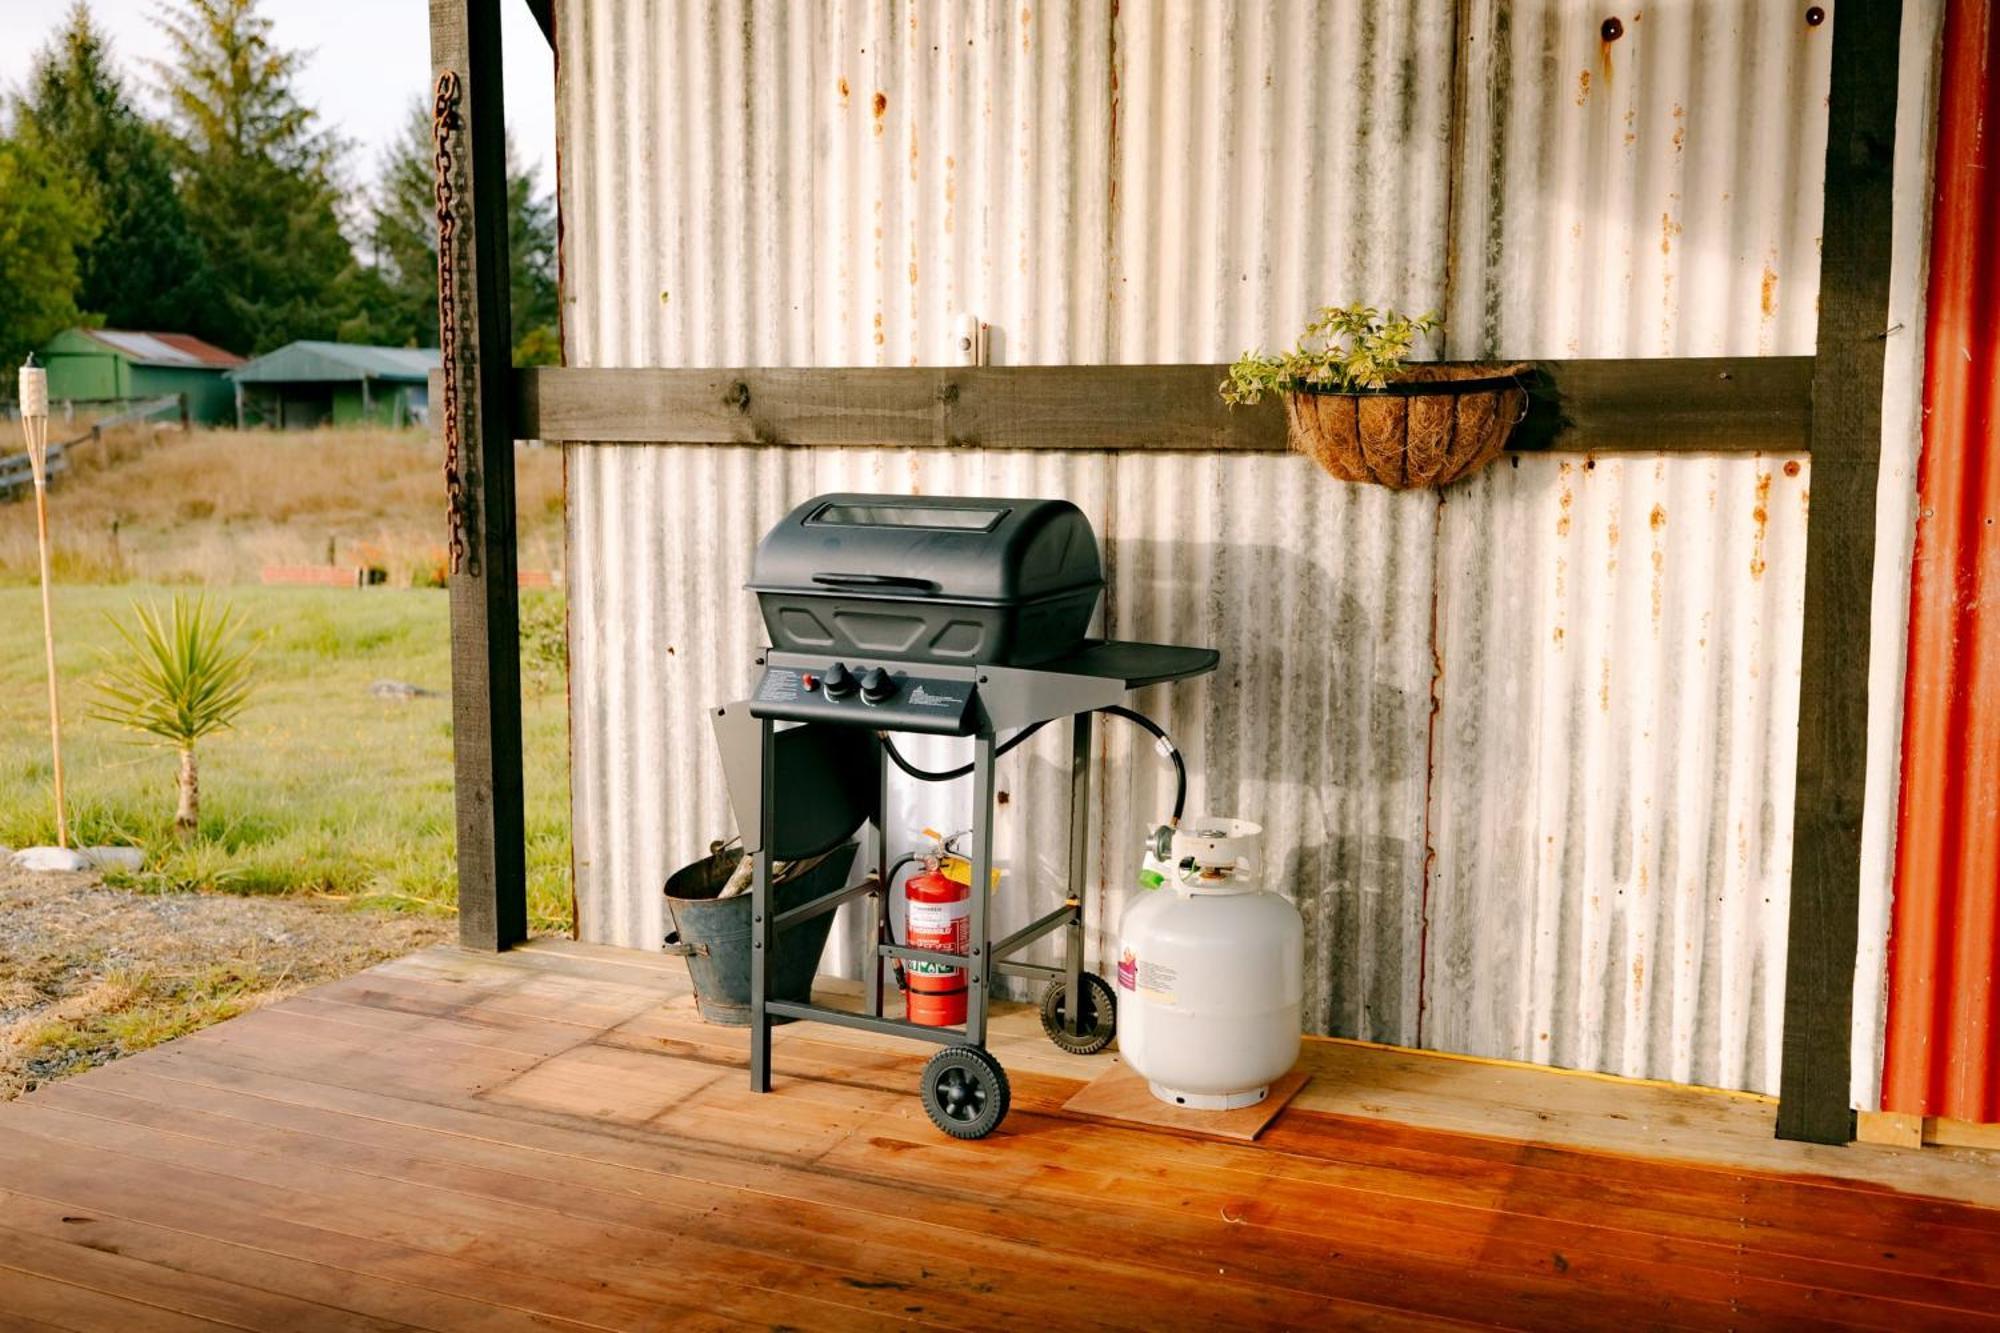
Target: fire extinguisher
[{"x": 937, "y": 915}]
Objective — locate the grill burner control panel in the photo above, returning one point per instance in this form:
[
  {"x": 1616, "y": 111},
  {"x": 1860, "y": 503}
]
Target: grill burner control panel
[{"x": 862, "y": 695}]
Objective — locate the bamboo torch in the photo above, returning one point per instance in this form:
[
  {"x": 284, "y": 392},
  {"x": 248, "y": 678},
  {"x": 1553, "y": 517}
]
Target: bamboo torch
[{"x": 35, "y": 426}]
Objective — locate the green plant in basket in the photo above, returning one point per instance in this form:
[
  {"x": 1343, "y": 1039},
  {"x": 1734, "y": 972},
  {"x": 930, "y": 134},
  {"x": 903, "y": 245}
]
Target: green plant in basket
[
  {"x": 187, "y": 676},
  {"x": 1347, "y": 349}
]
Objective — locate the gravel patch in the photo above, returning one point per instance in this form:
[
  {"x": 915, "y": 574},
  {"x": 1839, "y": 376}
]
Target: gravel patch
[{"x": 89, "y": 973}]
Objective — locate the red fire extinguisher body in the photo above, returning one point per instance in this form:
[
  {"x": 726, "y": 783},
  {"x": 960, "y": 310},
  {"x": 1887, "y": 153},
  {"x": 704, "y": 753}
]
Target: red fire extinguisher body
[{"x": 937, "y": 916}]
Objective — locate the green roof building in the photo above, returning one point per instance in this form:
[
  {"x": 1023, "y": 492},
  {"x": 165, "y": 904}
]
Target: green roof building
[
  {"x": 113, "y": 365},
  {"x": 307, "y": 384}
]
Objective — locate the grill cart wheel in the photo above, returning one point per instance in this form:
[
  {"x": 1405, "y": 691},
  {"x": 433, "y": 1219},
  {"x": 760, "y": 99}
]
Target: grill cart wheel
[
  {"x": 1097, "y": 1024},
  {"x": 965, "y": 1092}
]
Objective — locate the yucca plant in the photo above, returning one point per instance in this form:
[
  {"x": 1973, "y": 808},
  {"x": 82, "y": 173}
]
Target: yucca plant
[{"x": 188, "y": 676}]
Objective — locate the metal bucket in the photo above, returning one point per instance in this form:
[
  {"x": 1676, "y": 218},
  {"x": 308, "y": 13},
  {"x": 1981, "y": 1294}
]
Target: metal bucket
[{"x": 713, "y": 934}]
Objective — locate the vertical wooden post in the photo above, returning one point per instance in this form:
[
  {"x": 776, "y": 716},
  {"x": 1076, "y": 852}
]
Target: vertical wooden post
[
  {"x": 485, "y": 597},
  {"x": 1840, "y": 562}
]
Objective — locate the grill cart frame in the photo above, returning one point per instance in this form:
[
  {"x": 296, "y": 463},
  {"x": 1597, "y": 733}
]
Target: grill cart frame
[{"x": 991, "y": 699}]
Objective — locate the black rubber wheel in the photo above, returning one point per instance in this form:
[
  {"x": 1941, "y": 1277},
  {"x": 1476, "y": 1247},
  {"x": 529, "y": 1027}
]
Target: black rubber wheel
[
  {"x": 1096, "y": 1026},
  {"x": 965, "y": 1092}
]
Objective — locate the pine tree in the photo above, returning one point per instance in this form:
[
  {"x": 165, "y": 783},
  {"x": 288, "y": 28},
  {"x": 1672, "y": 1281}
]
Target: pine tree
[
  {"x": 402, "y": 240},
  {"x": 260, "y": 177},
  {"x": 45, "y": 220},
  {"x": 531, "y": 255},
  {"x": 402, "y": 235},
  {"x": 144, "y": 269}
]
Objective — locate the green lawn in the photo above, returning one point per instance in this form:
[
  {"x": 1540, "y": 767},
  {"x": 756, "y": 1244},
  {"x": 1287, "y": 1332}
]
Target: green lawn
[{"x": 322, "y": 788}]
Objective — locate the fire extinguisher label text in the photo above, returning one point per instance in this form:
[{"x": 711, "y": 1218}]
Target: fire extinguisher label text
[{"x": 940, "y": 926}]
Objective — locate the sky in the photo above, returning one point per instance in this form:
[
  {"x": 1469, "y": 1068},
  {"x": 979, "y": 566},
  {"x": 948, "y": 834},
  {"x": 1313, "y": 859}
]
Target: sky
[{"x": 366, "y": 61}]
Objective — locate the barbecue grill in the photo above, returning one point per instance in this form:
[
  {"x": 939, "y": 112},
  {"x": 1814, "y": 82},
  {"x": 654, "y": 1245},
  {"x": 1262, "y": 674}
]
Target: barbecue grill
[{"x": 931, "y": 616}]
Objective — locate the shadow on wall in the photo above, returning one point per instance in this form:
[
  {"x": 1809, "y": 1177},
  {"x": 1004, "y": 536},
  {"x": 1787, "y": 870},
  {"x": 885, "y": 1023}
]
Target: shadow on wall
[{"x": 1316, "y": 725}]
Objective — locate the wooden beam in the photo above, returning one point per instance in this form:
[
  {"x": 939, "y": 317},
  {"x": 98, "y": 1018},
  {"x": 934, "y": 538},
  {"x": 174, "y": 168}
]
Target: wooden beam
[
  {"x": 1702, "y": 405},
  {"x": 1840, "y": 561},
  {"x": 485, "y": 600}
]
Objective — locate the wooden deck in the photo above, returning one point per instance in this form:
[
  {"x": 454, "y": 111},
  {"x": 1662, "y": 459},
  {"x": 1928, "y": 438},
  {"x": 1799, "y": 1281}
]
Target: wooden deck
[{"x": 550, "y": 1138}]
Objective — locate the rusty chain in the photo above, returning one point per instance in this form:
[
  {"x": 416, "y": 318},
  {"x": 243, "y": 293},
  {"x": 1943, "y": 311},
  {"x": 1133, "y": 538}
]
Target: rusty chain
[{"x": 459, "y": 502}]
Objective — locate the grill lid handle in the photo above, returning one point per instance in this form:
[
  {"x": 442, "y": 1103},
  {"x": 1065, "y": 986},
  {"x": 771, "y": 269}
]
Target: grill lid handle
[{"x": 908, "y": 582}]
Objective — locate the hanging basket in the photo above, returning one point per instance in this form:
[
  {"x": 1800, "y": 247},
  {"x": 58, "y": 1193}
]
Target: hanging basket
[{"x": 1429, "y": 426}]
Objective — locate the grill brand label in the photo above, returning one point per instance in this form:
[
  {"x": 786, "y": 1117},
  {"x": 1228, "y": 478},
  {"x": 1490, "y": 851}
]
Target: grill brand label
[{"x": 779, "y": 686}]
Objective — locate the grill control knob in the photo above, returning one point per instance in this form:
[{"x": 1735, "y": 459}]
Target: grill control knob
[
  {"x": 838, "y": 683},
  {"x": 876, "y": 686}
]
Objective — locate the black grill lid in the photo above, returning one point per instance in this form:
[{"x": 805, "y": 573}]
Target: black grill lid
[{"x": 960, "y": 549}]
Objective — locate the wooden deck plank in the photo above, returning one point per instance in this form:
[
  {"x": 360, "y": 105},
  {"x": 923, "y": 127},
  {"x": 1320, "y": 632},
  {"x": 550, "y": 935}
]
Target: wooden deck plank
[
  {"x": 227, "y": 1213},
  {"x": 1494, "y": 1099},
  {"x": 317, "y": 1279},
  {"x": 1838, "y": 1211},
  {"x": 454, "y": 1140},
  {"x": 597, "y": 1262},
  {"x": 70, "y": 1305},
  {"x": 902, "y": 1252},
  {"x": 1577, "y": 1255},
  {"x": 293, "y": 1162},
  {"x": 108, "y": 1272}
]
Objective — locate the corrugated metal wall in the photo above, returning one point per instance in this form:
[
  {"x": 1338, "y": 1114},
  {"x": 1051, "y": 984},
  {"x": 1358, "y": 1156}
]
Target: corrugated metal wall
[
  {"x": 1944, "y": 1002},
  {"x": 1524, "y": 756}
]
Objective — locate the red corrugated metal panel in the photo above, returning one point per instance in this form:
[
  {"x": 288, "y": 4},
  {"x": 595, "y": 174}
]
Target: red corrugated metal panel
[{"x": 1944, "y": 950}]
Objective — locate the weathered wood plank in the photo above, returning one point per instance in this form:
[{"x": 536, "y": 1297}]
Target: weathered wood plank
[
  {"x": 1856, "y": 236},
  {"x": 260, "y": 1261},
  {"x": 485, "y": 595},
  {"x": 1714, "y": 404},
  {"x": 89, "y": 1264}
]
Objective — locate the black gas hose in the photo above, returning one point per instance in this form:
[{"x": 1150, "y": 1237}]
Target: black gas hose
[
  {"x": 1137, "y": 719},
  {"x": 950, "y": 774}
]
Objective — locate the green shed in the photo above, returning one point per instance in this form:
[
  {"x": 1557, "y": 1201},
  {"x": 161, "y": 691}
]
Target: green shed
[
  {"x": 113, "y": 365},
  {"x": 308, "y": 384}
]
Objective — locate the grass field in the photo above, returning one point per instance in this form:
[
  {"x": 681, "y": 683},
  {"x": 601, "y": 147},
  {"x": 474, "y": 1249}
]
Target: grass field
[
  {"x": 322, "y": 788},
  {"x": 157, "y": 506}
]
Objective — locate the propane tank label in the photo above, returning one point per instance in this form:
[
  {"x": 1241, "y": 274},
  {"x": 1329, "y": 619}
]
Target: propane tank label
[
  {"x": 1150, "y": 979},
  {"x": 1156, "y": 983}
]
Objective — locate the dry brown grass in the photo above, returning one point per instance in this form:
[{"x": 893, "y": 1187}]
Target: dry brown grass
[
  {"x": 89, "y": 973},
  {"x": 217, "y": 506}
]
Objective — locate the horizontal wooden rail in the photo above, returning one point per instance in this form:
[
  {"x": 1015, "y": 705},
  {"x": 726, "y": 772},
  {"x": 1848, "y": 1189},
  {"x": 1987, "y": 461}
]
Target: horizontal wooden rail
[{"x": 1678, "y": 405}]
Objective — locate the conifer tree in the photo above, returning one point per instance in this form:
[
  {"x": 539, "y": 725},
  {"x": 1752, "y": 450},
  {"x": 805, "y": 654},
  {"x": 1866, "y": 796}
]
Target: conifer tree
[
  {"x": 260, "y": 176},
  {"x": 402, "y": 244},
  {"x": 144, "y": 269},
  {"x": 44, "y": 223}
]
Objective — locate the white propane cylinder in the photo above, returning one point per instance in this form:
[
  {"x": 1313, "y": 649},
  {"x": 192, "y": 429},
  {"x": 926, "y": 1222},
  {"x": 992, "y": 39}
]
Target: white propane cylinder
[{"x": 1211, "y": 973}]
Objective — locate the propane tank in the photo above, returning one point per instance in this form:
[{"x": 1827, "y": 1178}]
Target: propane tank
[
  {"x": 1211, "y": 973},
  {"x": 936, "y": 915}
]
